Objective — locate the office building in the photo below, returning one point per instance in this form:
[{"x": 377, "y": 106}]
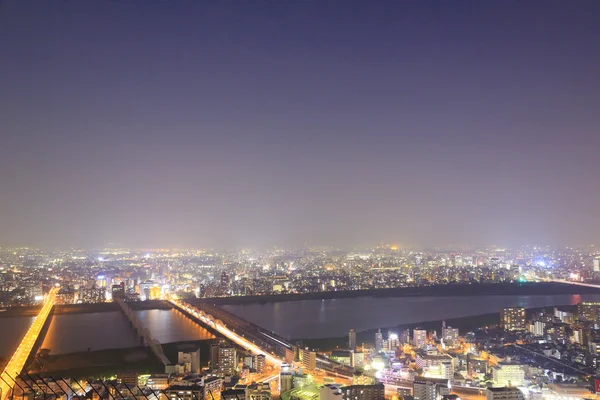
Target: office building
[
  {"x": 508, "y": 374},
  {"x": 420, "y": 338},
  {"x": 363, "y": 392},
  {"x": 378, "y": 340},
  {"x": 596, "y": 264},
  {"x": 513, "y": 319},
  {"x": 504, "y": 393},
  {"x": 352, "y": 339},
  {"x": 309, "y": 359},
  {"x": 430, "y": 388}
]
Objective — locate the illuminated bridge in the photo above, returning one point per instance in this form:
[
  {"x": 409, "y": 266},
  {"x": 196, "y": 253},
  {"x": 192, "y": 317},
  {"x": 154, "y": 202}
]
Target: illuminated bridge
[
  {"x": 251, "y": 336},
  {"x": 19, "y": 358}
]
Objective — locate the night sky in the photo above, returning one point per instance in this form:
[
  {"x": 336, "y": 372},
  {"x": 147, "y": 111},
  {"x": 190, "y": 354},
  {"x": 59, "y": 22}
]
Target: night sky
[{"x": 290, "y": 123}]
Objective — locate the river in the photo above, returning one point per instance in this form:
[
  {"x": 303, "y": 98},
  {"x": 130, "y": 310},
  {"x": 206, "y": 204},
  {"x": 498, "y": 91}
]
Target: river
[
  {"x": 314, "y": 319},
  {"x": 308, "y": 319}
]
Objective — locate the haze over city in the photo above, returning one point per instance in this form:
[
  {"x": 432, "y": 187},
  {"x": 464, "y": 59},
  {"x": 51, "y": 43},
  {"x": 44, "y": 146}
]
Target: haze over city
[{"x": 187, "y": 123}]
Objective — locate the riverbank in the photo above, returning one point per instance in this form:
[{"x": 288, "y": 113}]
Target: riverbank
[
  {"x": 464, "y": 325},
  {"x": 484, "y": 289}
]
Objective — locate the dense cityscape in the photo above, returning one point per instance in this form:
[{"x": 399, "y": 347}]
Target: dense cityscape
[
  {"x": 90, "y": 276},
  {"x": 537, "y": 353}
]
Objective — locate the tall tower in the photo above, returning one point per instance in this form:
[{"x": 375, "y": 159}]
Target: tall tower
[
  {"x": 352, "y": 339},
  {"x": 379, "y": 340}
]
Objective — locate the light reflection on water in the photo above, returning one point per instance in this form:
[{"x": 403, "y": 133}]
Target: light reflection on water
[{"x": 333, "y": 318}]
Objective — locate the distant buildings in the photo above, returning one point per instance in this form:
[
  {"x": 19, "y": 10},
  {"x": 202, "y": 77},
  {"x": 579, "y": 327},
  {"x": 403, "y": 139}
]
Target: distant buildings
[{"x": 513, "y": 319}]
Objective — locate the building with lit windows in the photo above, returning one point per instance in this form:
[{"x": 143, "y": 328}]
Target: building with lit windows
[
  {"x": 363, "y": 392},
  {"x": 430, "y": 388},
  {"x": 378, "y": 340},
  {"x": 513, "y": 319},
  {"x": 227, "y": 360},
  {"x": 589, "y": 311},
  {"x": 508, "y": 374},
  {"x": 504, "y": 393},
  {"x": 309, "y": 359},
  {"x": 420, "y": 338}
]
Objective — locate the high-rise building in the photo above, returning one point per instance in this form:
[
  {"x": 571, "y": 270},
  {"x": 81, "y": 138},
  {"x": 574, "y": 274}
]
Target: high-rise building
[
  {"x": 404, "y": 337},
  {"x": 363, "y": 392},
  {"x": 420, "y": 337},
  {"x": 393, "y": 342},
  {"x": 430, "y": 388},
  {"x": 260, "y": 362},
  {"x": 504, "y": 393},
  {"x": 596, "y": 264},
  {"x": 309, "y": 359},
  {"x": 227, "y": 360},
  {"x": 513, "y": 319},
  {"x": 352, "y": 339},
  {"x": 378, "y": 340},
  {"x": 214, "y": 355}
]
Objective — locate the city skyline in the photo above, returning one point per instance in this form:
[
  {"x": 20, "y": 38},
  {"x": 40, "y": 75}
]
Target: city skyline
[{"x": 259, "y": 124}]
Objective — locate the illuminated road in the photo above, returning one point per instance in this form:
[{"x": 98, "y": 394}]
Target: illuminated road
[
  {"x": 223, "y": 330},
  {"x": 18, "y": 359}
]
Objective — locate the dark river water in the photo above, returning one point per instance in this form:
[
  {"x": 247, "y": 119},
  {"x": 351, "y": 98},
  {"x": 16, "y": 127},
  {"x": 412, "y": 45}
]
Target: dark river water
[
  {"x": 70, "y": 333},
  {"x": 312, "y": 319}
]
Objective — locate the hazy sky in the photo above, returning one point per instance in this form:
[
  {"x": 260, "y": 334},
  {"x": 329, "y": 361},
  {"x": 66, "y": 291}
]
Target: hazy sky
[{"x": 291, "y": 122}]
